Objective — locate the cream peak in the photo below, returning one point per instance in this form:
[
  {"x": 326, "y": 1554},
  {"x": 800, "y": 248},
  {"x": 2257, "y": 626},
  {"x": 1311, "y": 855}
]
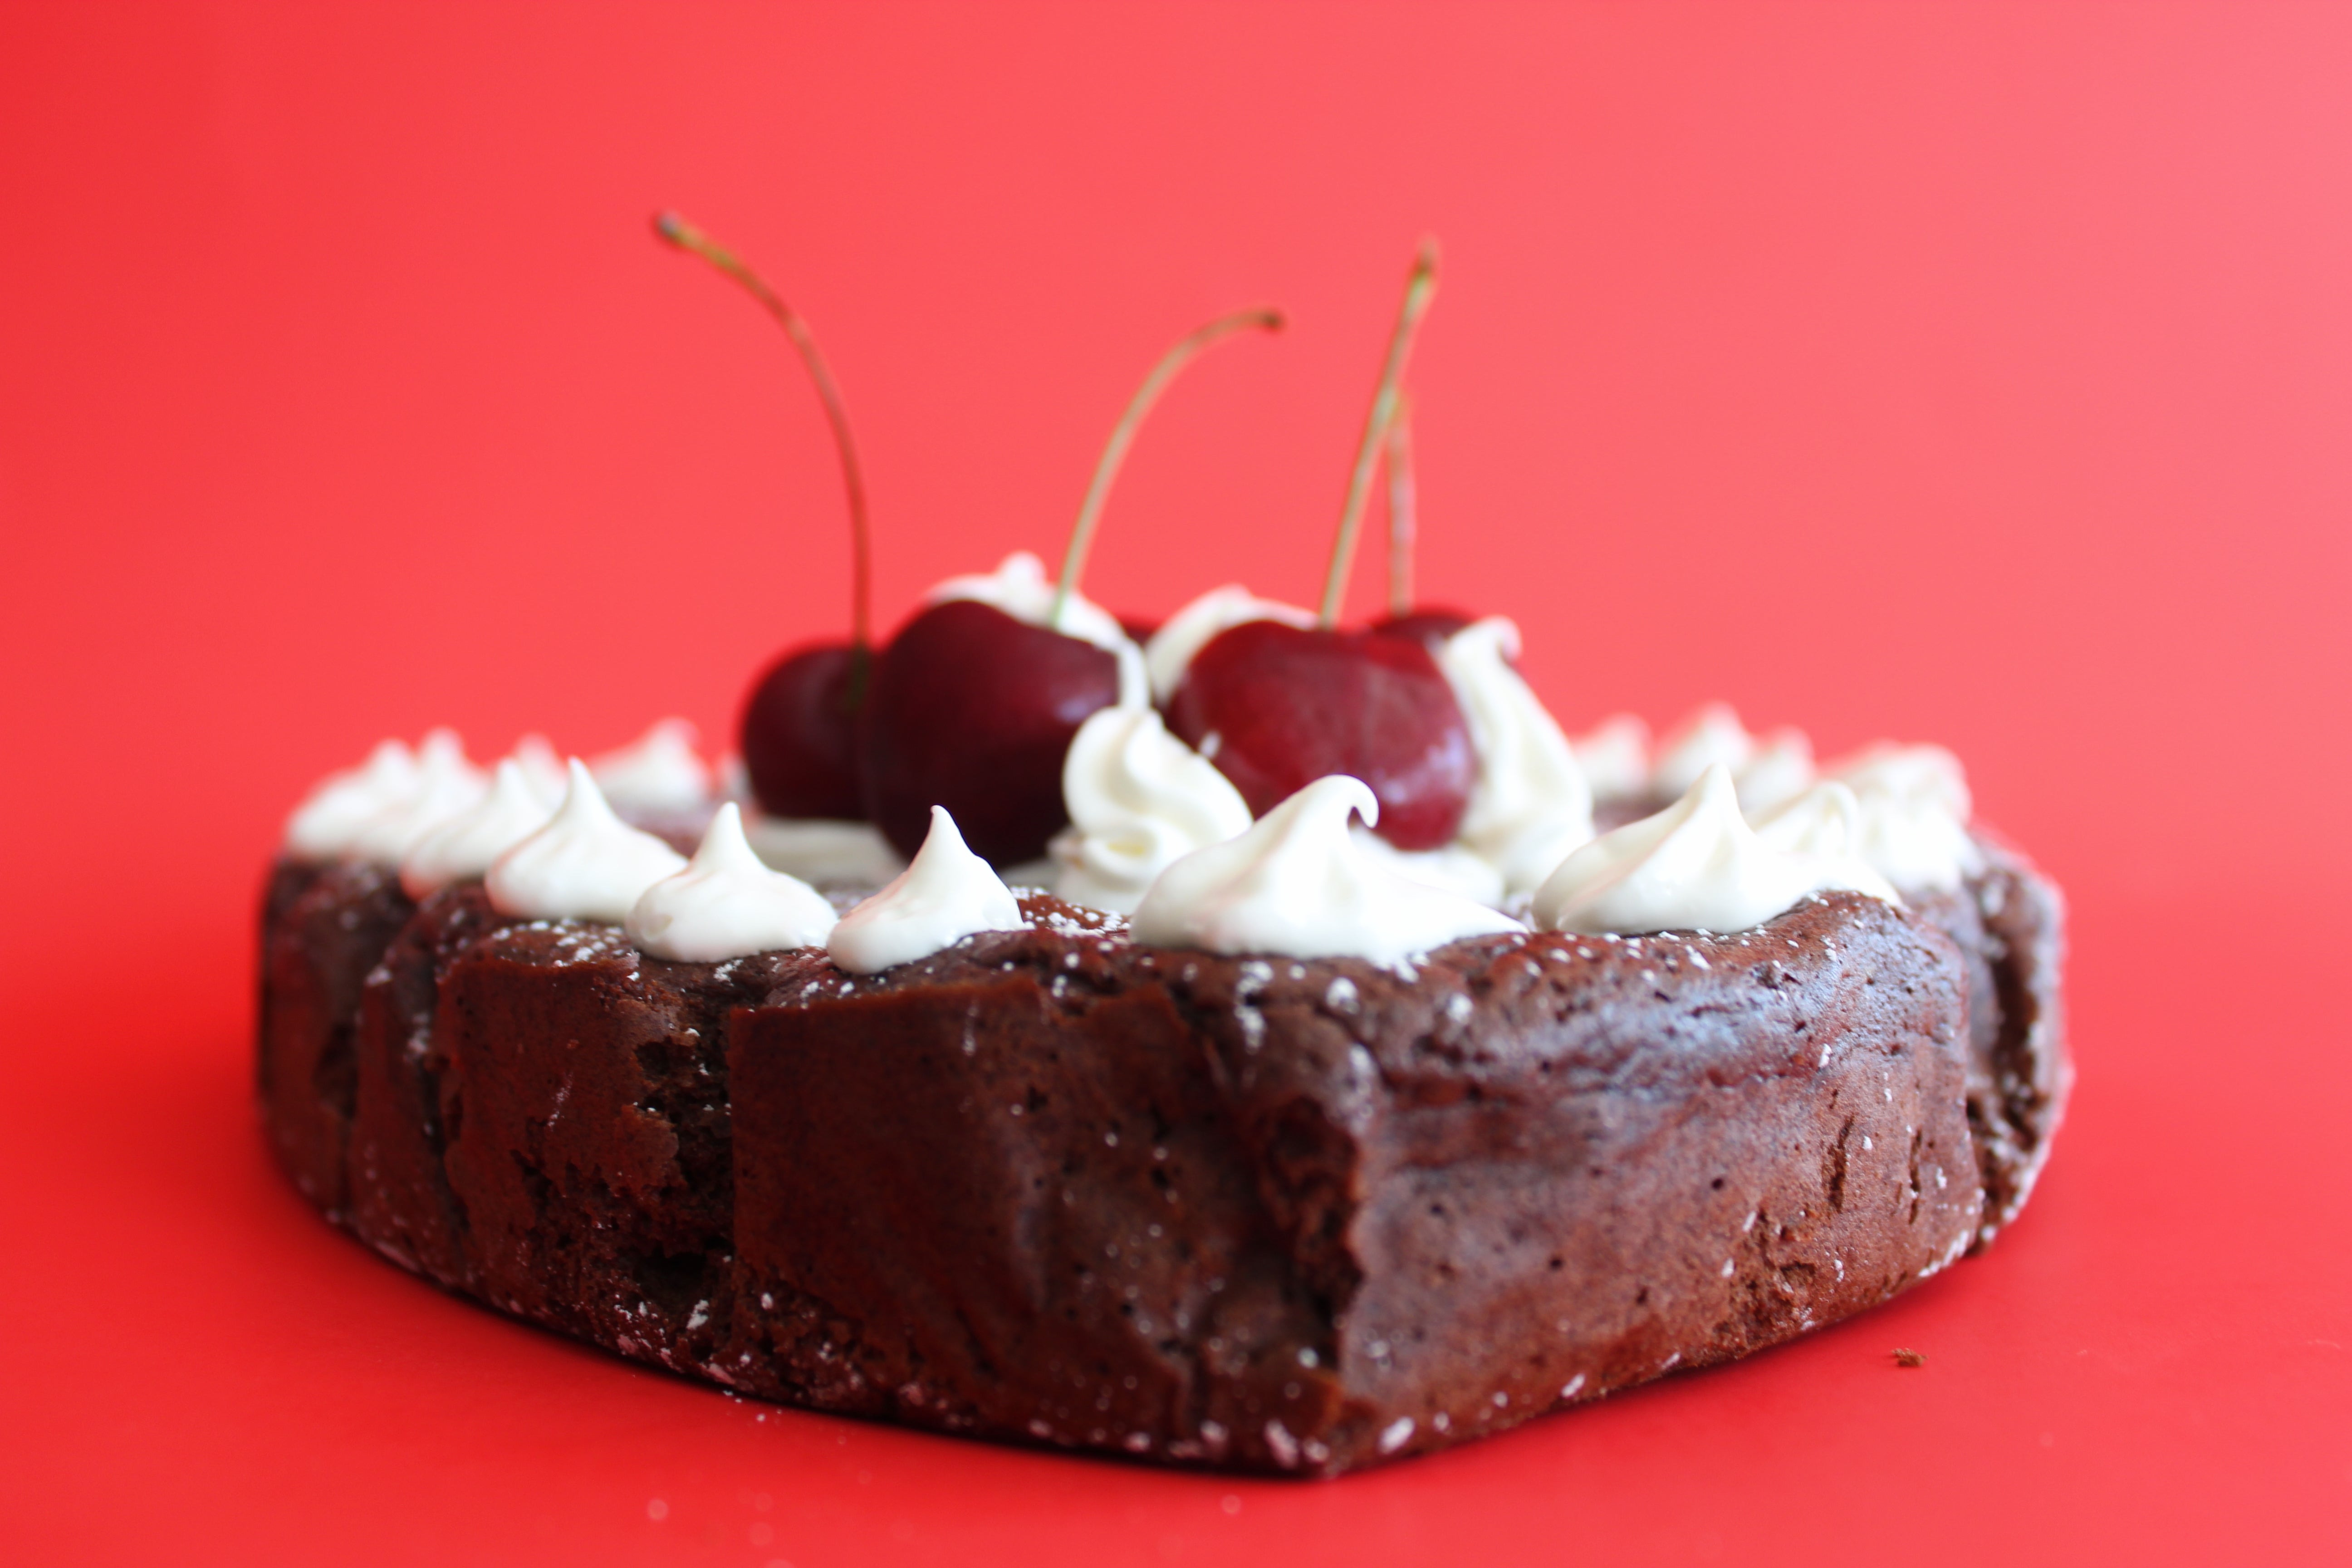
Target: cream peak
[
  {"x": 542, "y": 768},
  {"x": 1713, "y": 734},
  {"x": 469, "y": 844},
  {"x": 325, "y": 824},
  {"x": 945, "y": 895},
  {"x": 1915, "y": 810},
  {"x": 725, "y": 903},
  {"x": 1298, "y": 884},
  {"x": 1531, "y": 804},
  {"x": 586, "y": 864},
  {"x": 659, "y": 773},
  {"x": 1695, "y": 866},
  {"x": 1138, "y": 799},
  {"x": 447, "y": 785}
]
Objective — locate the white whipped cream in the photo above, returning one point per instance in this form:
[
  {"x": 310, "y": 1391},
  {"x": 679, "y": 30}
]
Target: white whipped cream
[
  {"x": 1713, "y": 734},
  {"x": 1825, "y": 820},
  {"x": 1531, "y": 804},
  {"x": 447, "y": 785},
  {"x": 1768, "y": 769},
  {"x": 659, "y": 773},
  {"x": 586, "y": 864},
  {"x": 1171, "y": 651},
  {"x": 727, "y": 904},
  {"x": 1915, "y": 815},
  {"x": 1614, "y": 755},
  {"x": 1297, "y": 884},
  {"x": 946, "y": 894},
  {"x": 542, "y": 768},
  {"x": 324, "y": 825},
  {"x": 1779, "y": 770},
  {"x": 1454, "y": 868},
  {"x": 820, "y": 850},
  {"x": 1695, "y": 866},
  {"x": 1138, "y": 799},
  {"x": 469, "y": 844},
  {"x": 1020, "y": 588}
]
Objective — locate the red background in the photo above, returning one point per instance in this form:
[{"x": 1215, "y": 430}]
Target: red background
[{"x": 1977, "y": 374}]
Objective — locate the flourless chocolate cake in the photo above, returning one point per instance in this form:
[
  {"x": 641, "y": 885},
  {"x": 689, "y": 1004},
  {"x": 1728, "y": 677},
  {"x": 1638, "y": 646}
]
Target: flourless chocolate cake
[
  {"x": 1051, "y": 1185},
  {"x": 1383, "y": 1069}
]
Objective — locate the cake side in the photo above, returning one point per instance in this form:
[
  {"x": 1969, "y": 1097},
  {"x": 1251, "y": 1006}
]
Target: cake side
[
  {"x": 1570, "y": 1165},
  {"x": 2020, "y": 1072},
  {"x": 1377, "y": 1199},
  {"x": 1051, "y": 1185},
  {"x": 323, "y": 928},
  {"x": 1015, "y": 1183}
]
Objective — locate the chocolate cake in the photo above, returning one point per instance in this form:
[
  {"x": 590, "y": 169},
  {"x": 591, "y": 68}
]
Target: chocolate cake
[
  {"x": 1344, "y": 1164},
  {"x": 1051, "y": 1185}
]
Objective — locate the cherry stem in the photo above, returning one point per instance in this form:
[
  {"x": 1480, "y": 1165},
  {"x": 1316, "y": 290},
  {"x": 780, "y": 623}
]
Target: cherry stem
[
  {"x": 1401, "y": 510},
  {"x": 1122, "y": 436},
  {"x": 1419, "y": 285},
  {"x": 676, "y": 231}
]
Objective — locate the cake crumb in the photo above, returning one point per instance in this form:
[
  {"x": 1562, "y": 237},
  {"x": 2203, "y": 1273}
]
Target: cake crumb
[{"x": 1910, "y": 1358}]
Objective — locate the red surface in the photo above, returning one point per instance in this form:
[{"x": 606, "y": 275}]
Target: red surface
[{"x": 1980, "y": 373}]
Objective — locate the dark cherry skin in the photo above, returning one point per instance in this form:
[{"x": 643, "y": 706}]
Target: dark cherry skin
[
  {"x": 799, "y": 736},
  {"x": 1289, "y": 704},
  {"x": 974, "y": 709},
  {"x": 1430, "y": 625}
]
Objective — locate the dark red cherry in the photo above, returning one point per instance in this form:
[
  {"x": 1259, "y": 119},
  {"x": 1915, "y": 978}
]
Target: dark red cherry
[
  {"x": 799, "y": 735},
  {"x": 1276, "y": 707},
  {"x": 800, "y": 722},
  {"x": 1428, "y": 625},
  {"x": 972, "y": 709}
]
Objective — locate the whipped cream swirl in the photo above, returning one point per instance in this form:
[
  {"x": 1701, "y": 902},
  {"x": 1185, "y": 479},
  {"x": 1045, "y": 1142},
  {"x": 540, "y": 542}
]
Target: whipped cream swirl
[
  {"x": 586, "y": 864},
  {"x": 1138, "y": 799},
  {"x": 659, "y": 774},
  {"x": 1531, "y": 804},
  {"x": 1825, "y": 820},
  {"x": 1020, "y": 588},
  {"x": 469, "y": 844},
  {"x": 1452, "y": 867},
  {"x": 447, "y": 785},
  {"x": 1711, "y": 735},
  {"x": 1915, "y": 815},
  {"x": 1171, "y": 651},
  {"x": 946, "y": 894},
  {"x": 329, "y": 817},
  {"x": 1695, "y": 866},
  {"x": 542, "y": 768},
  {"x": 1297, "y": 884},
  {"x": 1615, "y": 756},
  {"x": 1769, "y": 770},
  {"x": 727, "y": 904},
  {"x": 1779, "y": 770}
]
